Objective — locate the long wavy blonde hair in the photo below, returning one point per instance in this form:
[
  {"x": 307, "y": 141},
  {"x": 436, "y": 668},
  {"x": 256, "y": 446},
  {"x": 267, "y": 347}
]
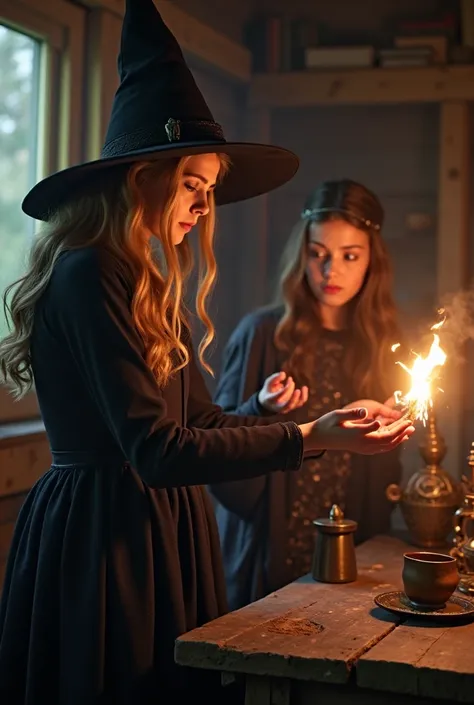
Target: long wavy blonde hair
[
  {"x": 112, "y": 215},
  {"x": 372, "y": 320}
]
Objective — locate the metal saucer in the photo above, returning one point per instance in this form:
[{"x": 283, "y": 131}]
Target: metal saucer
[{"x": 456, "y": 608}]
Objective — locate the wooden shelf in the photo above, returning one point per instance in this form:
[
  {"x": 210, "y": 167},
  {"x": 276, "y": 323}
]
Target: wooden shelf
[
  {"x": 405, "y": 85},
  {"x": 195, "y": 38}
]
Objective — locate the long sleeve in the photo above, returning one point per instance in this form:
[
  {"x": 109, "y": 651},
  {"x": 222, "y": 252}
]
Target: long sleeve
[
  {"x": 92, "y": 310},
  {"x": 202, "y": 413},
  {"x": 243, "y": 373},
  {"x": 243, "y": 365}
]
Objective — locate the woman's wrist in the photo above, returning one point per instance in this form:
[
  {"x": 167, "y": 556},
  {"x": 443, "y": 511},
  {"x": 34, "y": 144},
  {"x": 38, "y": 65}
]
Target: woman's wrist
[
  {"x": 313, "y": 442},
  {"x": 311, "y": 438}
]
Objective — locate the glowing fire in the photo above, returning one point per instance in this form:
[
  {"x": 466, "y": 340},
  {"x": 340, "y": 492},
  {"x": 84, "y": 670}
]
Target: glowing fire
[{"x": 423, "y": 372}]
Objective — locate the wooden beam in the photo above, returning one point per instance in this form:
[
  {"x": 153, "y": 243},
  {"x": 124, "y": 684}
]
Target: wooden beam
[
  {"x": 60, "y": 12},
  {"x": 70, "y": 97},
  {"x": 195, "y": 38},
  {"x": 102, "y": 76},
  {"x": 467, "y": 23},
  {"x": 407, "y": 85},
  {"x": 254, "y": 244},
  {"x": 19, "y": 15},
  {"x": 453, "y": 258}
]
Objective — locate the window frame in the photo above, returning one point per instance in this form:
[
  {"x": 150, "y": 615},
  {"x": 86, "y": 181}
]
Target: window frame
[{"x": 61, "y": 26}]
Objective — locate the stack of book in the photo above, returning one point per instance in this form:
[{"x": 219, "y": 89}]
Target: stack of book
[{"x": 280, "y": 44}]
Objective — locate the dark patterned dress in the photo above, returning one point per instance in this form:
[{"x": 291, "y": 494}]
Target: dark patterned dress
[
  {"x": 265, "y": 524},
  {"x": 321, "y": 482}
]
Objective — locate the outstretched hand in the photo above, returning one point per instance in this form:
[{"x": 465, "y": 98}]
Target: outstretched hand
[
  {"x": 384, "y": 413},
  {"x": 279, "y": 394},
  {"x": 353, "y": 430}
]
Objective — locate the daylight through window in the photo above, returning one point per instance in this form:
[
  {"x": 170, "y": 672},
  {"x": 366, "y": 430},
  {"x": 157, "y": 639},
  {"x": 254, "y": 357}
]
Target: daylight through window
[{"x": 19, "y": 138}]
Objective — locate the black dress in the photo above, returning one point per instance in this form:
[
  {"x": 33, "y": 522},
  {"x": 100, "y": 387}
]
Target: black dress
[
  {"x": 265, "y": 523},
  {"x": 115, "y": 552}
]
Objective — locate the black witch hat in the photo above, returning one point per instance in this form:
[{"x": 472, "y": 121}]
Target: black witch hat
[{"x": 159, "y": 112}]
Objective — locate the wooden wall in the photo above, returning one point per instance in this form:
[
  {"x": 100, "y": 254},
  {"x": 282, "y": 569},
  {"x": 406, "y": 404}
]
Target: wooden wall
[
  {"x": 22, "y": 460},
  {"x": 226, "y": 16},
  {"x": 393, "y": 149},
  {"x": 362, "y": 18}
]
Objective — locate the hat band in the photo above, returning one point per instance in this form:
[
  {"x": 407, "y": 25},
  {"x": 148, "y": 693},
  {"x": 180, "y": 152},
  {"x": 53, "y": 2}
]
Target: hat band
[{"x": 174, "y": 131}]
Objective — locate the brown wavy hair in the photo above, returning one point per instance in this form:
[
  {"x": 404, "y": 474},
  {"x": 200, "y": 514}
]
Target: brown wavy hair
[
  {"x": 112, "y": 215},
  {"x": 368, "y": 362}
]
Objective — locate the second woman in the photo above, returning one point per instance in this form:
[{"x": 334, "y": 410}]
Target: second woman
[{"x": 331, "y": 330}]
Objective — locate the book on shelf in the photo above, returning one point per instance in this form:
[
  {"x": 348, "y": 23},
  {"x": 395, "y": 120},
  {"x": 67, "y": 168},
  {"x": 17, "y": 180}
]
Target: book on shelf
[
  {"x": 446, "y": 25},
  {"x": 339, "y": 57},
  {"x": 405, "y": 56},
  {"x": 277, "y": 43},
  {"x": 438, "y": 45},
  {"x": 281, "y": 44}
]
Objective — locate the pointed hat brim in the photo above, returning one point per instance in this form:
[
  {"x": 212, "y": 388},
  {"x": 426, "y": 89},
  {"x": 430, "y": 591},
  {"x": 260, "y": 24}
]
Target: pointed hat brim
[{"x": 255, "y": 169}]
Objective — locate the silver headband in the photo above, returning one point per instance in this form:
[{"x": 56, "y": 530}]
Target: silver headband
[{"x": 310, "y": 212}]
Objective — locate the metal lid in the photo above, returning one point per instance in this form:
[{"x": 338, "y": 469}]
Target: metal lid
[{"x": 335, "y": 523}]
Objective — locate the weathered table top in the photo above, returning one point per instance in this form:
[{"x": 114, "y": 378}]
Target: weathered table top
[{"x": 312, "y": 631}]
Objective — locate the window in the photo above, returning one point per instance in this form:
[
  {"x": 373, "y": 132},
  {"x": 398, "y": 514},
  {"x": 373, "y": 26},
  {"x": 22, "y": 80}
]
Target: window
[
  {"x": 20, "y": 59},
  {"x": 42, "y": 65}
]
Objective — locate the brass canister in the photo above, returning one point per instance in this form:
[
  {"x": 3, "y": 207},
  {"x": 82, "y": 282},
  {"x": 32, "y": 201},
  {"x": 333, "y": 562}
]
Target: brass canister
[{"x": 334, "y": 559}]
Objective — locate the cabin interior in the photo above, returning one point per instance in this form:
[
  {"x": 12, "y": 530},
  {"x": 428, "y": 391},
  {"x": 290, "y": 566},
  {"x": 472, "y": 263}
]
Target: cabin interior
[{"x": 400, "y": 123}]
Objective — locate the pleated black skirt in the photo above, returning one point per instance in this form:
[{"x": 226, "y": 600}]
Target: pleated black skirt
[{"x": 104, "y": 573}]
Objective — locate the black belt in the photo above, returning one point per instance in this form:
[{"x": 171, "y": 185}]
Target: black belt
[{"x": 88, "y": 457}]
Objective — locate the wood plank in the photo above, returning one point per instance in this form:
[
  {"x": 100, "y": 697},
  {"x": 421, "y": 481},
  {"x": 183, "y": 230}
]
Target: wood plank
[
  {"x": 408, "y": 85},
  {"x": 424, "y": 661},
  {"x": 307, "y": 630},
  {"x": 394, "y": 659},
  {"x": 61, "y": 12},
  {"x": 447, "y": 669},
  {"x": 11, "y": 410},
  {"x": 453, "y": 235},
  {"x": 195, "y": 38},
  {"x": 22, "y": 464},
  {"x": 318, "y": 635},
  {"x": 21, "y": 432},
  {"x": 19, "y": 16},
  {"x": 104, "y": 31},
  {"x": 9, "y": 507}
]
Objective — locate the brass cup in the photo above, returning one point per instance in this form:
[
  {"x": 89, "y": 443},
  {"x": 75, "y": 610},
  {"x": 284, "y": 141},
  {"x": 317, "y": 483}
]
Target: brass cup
[{"x": 429, "y": 579}]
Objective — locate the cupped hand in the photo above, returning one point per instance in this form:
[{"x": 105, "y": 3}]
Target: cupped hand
[
  {"x": 279, "y": 394},
  {"x": 353, "y": 430},
  {"x": 384, "y": 413}
]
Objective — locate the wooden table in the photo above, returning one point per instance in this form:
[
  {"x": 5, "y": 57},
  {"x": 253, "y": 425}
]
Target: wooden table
[{"x": 318, "y": 644}]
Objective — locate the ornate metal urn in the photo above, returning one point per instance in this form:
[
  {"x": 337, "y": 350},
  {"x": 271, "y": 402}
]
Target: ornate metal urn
[{"x": 431, "y": 496}]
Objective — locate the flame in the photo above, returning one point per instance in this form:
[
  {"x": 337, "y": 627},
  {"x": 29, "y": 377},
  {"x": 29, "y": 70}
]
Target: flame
[
  {"x": 437, "y": 326},
  {"x": 423, "y": 372}
]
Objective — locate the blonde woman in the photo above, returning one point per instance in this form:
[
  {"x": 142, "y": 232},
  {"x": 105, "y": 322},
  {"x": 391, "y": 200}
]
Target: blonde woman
[
  {"x": 115, "y": 552},
  {"x": 329, "y": 332}
]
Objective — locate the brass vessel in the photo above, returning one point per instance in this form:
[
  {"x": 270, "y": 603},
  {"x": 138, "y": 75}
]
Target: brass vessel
[
  {"x": 431, "y": 496},
  {"x": 429, "y": 579},
  {"x": 463, "y": 549},
  {"x": 334, "y": 559}
]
